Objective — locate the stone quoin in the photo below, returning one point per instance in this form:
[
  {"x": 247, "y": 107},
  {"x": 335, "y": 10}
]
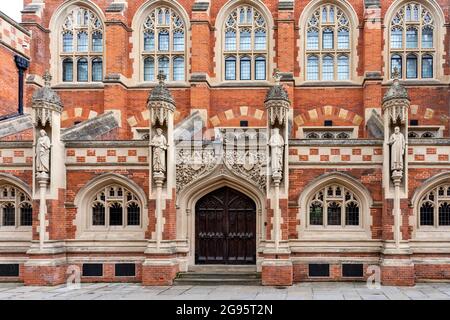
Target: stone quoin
[{"x": 144, "y": 140}]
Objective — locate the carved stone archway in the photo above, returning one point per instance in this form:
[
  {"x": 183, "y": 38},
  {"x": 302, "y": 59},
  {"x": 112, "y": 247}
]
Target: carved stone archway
[{"x": 217, "y": 177}]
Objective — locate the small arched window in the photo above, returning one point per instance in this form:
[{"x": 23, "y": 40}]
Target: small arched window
[
  {"x": 15, "y": 206},
  {"x": 82, "y": 41},
  {"x": 412, "y": 42},
  {"x": 341, "y": 205},
  {"x": 328, "y": 39},
  {"x": 115, "y": 206},
  {"x": 164, "y": 42},
  {"x": 245, "y": 40},
  {"x": 434, "y": 207}
]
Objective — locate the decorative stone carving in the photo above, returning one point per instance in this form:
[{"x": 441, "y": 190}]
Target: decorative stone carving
[
  {"x": 277, "y": 102},
  {"x": 396, "y": 101},
  {"x": 398, "y": 145},
  {"x": 159, "y": 144},
  {"x": 192, "y": 165},
  {"x": 276, "y": 144},
  {"x": 45, "y": 102},
  {"x": 160, "y": 102},
  {"x": 43, "y": 146},
  {"x": 246, "y": 164}
]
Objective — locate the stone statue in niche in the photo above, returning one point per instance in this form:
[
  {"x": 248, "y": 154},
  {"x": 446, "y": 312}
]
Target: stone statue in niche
[
  {"x": 43, "y": 146},
  {"x": 276, "y": 144},
  {"x": 398, "y": 146},
  {"x": 159, "y": 144}
]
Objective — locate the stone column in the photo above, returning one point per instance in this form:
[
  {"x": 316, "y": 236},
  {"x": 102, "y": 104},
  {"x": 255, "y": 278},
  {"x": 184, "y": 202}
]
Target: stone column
[
  {"x": 397, "y": 267},
  {"x": 46, "y": 263},
  {"x": 277, "y": 267},
  {"x": 162, "y": 254}
]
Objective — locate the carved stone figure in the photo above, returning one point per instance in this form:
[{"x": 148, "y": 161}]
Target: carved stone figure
[
  {"x": 159, "y": 144},
  {"x": 276, "y": 144},
  {"x": 43, "y": 146},
  {"x": 398, "y": 146}
]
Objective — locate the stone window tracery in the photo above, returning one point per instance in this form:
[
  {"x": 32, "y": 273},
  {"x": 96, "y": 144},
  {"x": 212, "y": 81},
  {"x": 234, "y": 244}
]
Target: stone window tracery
[
  {"x": 164, "y": 45},
  {"x": 328, "y": 44},
  {"x": 334, "y": 206},
  {"x": 412, "y": 42},
  {"x": 82, "y": 42},
  {"x": 434, "y": 207},
  {"x": 16, "y": 207},
  {"x": 245, "y": 50},
  {"x": 115, "y": 206}
]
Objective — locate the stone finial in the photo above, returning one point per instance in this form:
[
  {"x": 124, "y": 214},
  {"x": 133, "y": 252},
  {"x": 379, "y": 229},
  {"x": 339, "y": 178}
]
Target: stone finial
[
  {"x": 47, "y": 78},
  {"x": 160, "y": 92},
  {"x": 161, "y": 77},
  {"x": 47, "y": 94},
  {"x": 277, "y": 76},
  {"x": 397, "y": 90}
]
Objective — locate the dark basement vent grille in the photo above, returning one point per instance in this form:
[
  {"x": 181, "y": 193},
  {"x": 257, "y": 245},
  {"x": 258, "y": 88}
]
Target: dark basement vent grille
[
  {"x": 352, "y": 270},
  {"x": 9, "y": 270},
  {"x": 92, "y": 270},
  {"x": 125, "y": 270},
  {"x": 319, "y": 270}
]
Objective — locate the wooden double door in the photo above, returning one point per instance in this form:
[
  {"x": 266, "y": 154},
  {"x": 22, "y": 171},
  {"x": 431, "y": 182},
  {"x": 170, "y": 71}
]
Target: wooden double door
[{"x": 225, "y": 228}]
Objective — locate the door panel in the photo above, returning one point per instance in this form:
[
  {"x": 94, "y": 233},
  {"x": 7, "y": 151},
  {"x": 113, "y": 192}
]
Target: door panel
[{"x": 225, "y": 226}]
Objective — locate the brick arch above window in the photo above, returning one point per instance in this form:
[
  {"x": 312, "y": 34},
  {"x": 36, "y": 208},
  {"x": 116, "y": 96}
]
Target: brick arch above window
[{"x": 315, "y": 116}]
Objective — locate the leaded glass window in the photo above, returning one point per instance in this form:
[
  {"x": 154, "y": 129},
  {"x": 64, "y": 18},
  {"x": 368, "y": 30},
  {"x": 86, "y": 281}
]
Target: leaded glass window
[
  {"x": 341, "y": 205},
  {"x": 328, "y": 44},
  {"x": 412, "y": 42},
  {"x": 245, "y": 45},
  {"x": 164, "y": 45},
  {"x": 82, "y": 46}
]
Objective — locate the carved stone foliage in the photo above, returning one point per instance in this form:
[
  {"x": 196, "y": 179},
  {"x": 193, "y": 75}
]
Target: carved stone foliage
[{"x": 193, "y": 165}]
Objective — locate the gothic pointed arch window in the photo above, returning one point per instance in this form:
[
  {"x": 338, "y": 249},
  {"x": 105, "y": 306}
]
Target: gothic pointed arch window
[
  {"x": 115, "y": 206},
  {"x": 334, "y": 206},
  {"x": 15, "y": 206},
  {"x": 328, "y": 44},
  {"x": 412, "y": 42},
  {"x": 164, "y": 45},
  {"x": 81, "y": 46},
  {"x": 245, "y": 45},
  {"x": 434, "y": 207}
]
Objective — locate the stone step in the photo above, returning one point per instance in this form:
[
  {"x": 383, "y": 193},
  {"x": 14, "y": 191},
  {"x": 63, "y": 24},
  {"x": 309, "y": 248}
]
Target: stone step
[
  {"x": 222, "y": 268},
  {"x": 219, "y": 275},
  {"x": 215, "y": 275},
  {"x": 216, "y": 282}
]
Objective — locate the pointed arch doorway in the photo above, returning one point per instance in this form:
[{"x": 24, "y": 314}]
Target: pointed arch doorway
[{"x": 225, "y": 228}]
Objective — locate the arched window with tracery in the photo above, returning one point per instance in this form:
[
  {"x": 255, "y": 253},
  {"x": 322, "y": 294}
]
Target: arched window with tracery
[
  {"x": 434, "y": 207},
  {"x": 328, "y": 44},
  {"x": 245, "y": 45},
  {"x": 16, "y": 207},
  {"x": 334, "y": 206},
  {"x": 82, "y": 42},
  {"x": 164, "y": 45},
  {"x": 115, "y": 206},
  {"x": 412, "y": 42}
]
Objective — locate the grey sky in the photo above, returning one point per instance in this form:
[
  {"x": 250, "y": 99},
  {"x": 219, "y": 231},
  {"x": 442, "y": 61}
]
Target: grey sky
[{"x": 12, "y": 8}]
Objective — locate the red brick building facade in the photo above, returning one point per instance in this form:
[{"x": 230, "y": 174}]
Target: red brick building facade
[{"x": 277, "y": 145}]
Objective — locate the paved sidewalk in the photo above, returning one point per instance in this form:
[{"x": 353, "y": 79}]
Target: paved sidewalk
[{"x": 301, "y": 291}]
